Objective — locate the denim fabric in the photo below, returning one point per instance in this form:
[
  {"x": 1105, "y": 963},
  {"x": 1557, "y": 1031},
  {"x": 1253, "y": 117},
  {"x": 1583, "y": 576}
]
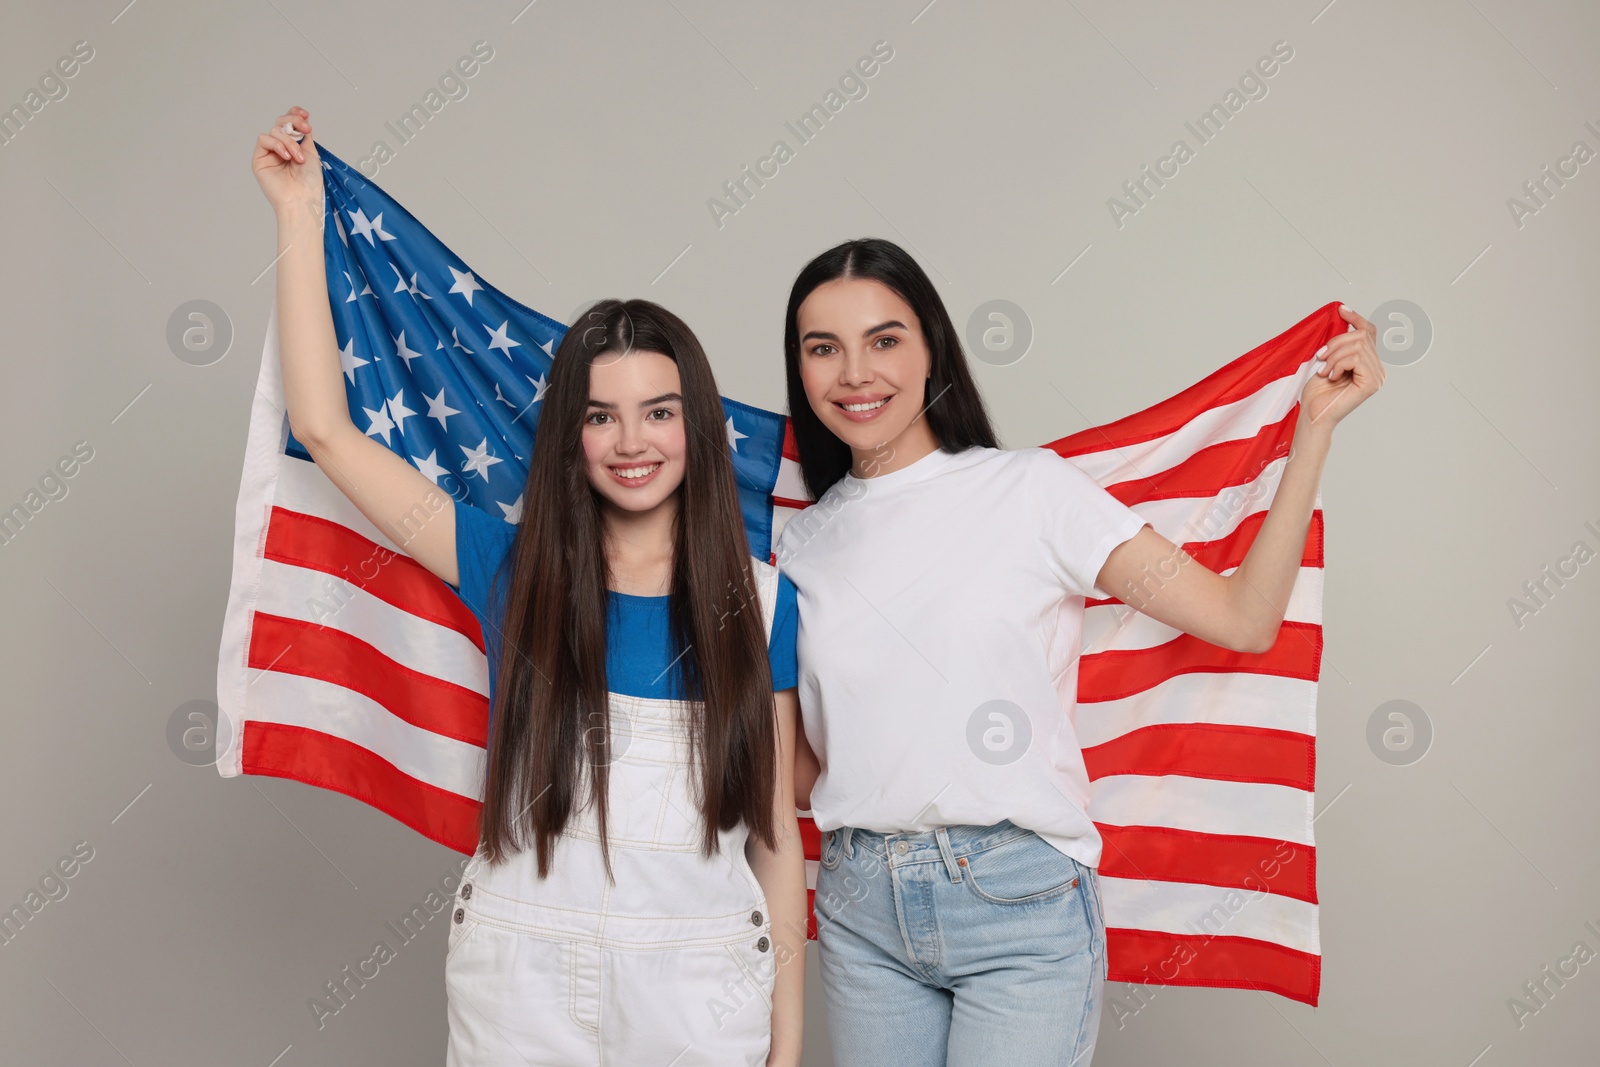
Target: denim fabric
[
  {"x": 965, "y": 945},
  {"x": 672, "y": 963}
]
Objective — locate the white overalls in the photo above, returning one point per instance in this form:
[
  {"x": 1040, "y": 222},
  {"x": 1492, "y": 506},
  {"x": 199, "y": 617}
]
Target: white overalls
[{"x": 672, "y": 966}]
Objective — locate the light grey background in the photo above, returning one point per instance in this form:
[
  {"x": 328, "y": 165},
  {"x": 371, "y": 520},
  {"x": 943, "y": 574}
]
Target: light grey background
[{"x": 1378, "y": 166}]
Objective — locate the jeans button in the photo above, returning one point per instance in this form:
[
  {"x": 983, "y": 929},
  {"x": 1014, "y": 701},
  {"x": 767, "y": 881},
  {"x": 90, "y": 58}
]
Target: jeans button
[
  {"x": 901, "y": 847},
  {"x": 460, "y": 914},
  {"x": 755, "y": 918},
  {"x": 466, "y": 891},
  {"x": 761, "y": 945}
]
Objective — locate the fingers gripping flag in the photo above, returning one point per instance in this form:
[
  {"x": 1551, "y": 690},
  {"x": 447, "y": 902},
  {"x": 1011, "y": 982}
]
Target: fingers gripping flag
[{"x": 346, "y": 665}]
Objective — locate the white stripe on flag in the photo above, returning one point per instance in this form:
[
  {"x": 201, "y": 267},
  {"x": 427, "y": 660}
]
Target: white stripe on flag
[
  {"x": 1210, "y": 806},
  {"x": 1193, "y": 909},
  {"x": 1265, "y": 701},
  {"x": 410, "y": 640},
  {"x": 332, "y": 709}
]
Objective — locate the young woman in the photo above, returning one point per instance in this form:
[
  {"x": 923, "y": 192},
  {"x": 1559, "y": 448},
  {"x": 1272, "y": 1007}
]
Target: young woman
[
  {"x": 640, "y": 873},
  {"x": 941, "y": 584}
]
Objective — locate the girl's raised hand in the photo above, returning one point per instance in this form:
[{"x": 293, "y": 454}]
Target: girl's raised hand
[
  {"x": 288, "y": 168},
  {"x": 1348, "y": 371}
]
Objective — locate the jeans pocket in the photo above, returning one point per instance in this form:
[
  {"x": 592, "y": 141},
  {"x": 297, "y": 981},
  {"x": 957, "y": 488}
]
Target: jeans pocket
[
  {"x": 1025, "y": 870},
  {"x": 1093, "y": 899},
  {"x": 832, "y": 848}
]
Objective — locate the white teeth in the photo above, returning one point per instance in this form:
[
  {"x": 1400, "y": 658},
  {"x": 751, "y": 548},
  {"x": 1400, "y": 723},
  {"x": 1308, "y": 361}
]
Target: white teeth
[
  {"x": 635, "y": 472},
  {"x": 866, "y": 407}
]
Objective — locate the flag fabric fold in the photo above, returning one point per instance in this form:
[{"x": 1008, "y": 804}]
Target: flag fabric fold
[{"x": 345, "y": 664}]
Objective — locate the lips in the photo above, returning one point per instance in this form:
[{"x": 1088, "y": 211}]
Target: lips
[
  {"x": 634, "y": 474},
  {"x": 859, "y": 409}
]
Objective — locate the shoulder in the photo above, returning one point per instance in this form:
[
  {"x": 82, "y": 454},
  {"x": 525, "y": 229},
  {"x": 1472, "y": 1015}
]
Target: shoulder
[
  {"x": 480, "y": 529},
  {"x": 1025, "y": 474},
  {"x": 483, "y": 542},
  {"x": 1047, "y": 485},
  {"x": 1045, "y": 467}
]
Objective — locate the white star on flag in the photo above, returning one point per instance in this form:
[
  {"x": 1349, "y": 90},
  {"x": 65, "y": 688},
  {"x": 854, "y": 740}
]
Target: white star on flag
[
  {"x": 361, "y": 227},
  {"x": 403, "y": 352},
  {"x": 430, "y": 466},
  {"x": 734, "y": 436},
  {"x": 498, "y": 339},
  {"x": 349, "y": 361},
  {"x": 398, "y": 410},
  {"x": 381, "y": 422},
  {"x": 366, "y": 288},
  {"x": 402, "y": 287},
  {"x": 438, "y": 409},
  {"x": 465, "y": 284},
  {"x": 455, "y": 342},
  {"x": 478, "y": 459}
]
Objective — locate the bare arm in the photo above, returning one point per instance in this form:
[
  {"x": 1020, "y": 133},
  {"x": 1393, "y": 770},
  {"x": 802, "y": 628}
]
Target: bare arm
[
  {"x": 1244, "y": 610},
  {"x": 807, "y": 768},
  {"x": 782, "y": 874},
  {"x": 398, "y": 499}
]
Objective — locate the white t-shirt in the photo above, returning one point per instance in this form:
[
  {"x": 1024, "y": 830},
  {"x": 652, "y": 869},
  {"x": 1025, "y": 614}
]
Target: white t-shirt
[{"x": 941, "y": 612}]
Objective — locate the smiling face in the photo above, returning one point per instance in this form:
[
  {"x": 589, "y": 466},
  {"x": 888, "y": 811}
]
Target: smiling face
[
  {"x": 634, "y": 441},
  {"x": 864, "y": 364}
]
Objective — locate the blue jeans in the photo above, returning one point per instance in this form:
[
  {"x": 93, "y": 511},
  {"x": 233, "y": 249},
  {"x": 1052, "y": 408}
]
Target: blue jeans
[{"x": 961, "y": 946}]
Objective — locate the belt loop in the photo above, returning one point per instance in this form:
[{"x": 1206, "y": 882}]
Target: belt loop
[
  {"x": 943, "y": 837},
  {"x": 846, "y": 833}
]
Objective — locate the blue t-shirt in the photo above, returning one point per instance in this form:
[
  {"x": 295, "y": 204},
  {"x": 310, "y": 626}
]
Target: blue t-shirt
[{"x": 639, "y": 648}]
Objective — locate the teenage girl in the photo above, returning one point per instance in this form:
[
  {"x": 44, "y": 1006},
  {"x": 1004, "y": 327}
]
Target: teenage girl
[
  {"x": 640, "y": 874},
  {"x": 942, "y": 583}
]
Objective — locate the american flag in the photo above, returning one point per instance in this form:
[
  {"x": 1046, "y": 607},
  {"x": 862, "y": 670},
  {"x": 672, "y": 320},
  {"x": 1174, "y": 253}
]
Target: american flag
[{"x": 347, "y": 665}]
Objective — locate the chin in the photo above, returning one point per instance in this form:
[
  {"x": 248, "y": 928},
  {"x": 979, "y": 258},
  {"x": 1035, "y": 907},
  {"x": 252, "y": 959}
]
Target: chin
[
  {"x": 635, "y": 501},
  {"x": 865, "y": 438}
]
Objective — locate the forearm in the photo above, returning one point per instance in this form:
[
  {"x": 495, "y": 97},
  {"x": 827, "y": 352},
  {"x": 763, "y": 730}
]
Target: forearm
[
  {"x": 1260, "y": 586},
  {"x": 307, "y": 345},
  {"x": 782, "y": 874}
]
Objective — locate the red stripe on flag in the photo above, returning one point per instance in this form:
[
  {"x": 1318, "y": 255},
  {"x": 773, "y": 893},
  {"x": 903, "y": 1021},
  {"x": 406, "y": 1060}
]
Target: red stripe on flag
[
  {"x": 1229, "y": 551},
  {"x": 315, "y": 543},
  {"x": 292, "y": 646},
  {"x": 333, "y": 763},
  {"x": 1209, "y": 750},
  {"x": 1118, "y": 673},
  {"x": 785, "y": 502},
  {"x": 1164, "y": 854},
  {"x": 1150, "y": 957},
  {"x": 1267, "y": 362},
  {"x": 1212, "y": 471}
]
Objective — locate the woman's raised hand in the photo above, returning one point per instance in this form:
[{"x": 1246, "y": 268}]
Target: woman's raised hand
[
  {"x": 288, "y": 169},
  {"x": 1348, "y": 371}
]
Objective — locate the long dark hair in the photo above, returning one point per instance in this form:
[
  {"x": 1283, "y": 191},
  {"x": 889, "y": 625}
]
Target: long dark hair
[
  {"x": 551, "y": 711},
  {"x": 954, "y": 411}
]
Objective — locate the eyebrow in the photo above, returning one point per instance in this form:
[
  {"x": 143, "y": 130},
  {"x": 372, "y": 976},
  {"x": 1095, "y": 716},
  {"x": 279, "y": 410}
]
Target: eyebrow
[
  {"x": 824, "y": 336},
  {"x": 643, "y": 403}
]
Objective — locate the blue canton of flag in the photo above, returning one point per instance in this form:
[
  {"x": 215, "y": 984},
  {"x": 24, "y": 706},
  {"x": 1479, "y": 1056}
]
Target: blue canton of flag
[{"x": 448, "y": 371}]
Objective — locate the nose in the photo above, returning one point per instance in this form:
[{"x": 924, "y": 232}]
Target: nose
[
  {"x": 855, "y": 368},
  {"x": 632, "y": 440}
]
